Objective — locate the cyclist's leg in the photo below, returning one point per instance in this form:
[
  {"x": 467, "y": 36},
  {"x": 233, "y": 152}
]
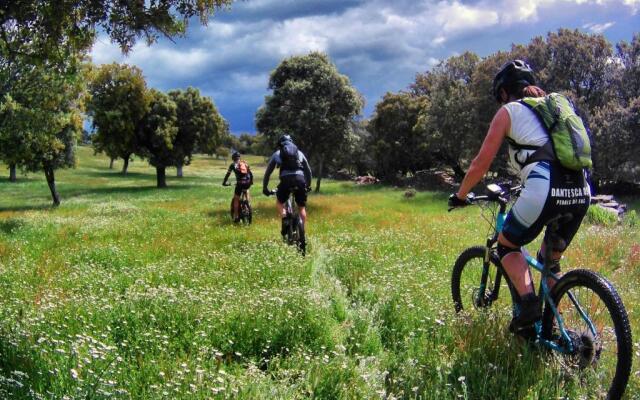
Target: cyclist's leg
[
  {"x": 515, "y": 265},
  {"x": 301, "y": 197},
  {"x": 523, "y": 224},
  {"x": 577, "y": 205},
  {"x": 236, "y": 201},
  {"x": 303, "y": 213},
  {"x": 564, "y": 237},
  {"x": 282, "y": 194}
]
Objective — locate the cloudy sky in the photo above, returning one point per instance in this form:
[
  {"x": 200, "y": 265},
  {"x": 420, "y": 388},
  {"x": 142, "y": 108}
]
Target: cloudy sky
[{"x": 379, "y": 44}]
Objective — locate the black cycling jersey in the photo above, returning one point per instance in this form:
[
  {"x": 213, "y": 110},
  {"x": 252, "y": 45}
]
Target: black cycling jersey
[{"x": 240, "y": 177}]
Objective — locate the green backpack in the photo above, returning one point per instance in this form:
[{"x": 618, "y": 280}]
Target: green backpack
[{"x": 565, "y": 128}]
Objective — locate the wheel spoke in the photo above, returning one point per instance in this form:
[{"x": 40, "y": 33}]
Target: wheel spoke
[{"x": 593, "y": 319}]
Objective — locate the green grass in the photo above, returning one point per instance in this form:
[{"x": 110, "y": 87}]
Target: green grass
[{"x": 130, "y": 292}]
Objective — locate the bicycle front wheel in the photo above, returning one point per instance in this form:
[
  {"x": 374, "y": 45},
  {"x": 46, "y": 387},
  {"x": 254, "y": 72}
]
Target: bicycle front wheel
[
  {"x": 470, "y": 291},
  {"x": 598, "y": 328}
]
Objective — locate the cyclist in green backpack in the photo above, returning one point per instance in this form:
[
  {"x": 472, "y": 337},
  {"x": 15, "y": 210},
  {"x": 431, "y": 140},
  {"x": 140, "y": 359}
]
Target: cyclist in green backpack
[{"x": 549, "y": 187}]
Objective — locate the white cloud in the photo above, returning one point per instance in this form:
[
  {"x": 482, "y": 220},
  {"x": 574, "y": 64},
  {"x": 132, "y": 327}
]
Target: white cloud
[
  {"x": 634, "y": 4},
  {"x": 598, "y": 28},
  {"x": 378, "y": 43},
  {"x": 296, "y": 37},
  {"x": 456, "y": 17}
]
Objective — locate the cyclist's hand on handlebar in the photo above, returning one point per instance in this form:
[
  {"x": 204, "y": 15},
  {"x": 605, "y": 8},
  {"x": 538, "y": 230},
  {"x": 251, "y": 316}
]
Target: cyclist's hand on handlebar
[{"x": 455, "y": 201}]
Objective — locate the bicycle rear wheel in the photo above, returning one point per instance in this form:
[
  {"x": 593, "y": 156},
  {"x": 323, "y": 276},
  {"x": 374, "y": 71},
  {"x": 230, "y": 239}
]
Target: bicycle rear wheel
[
  {"x": 466, "y": 283},
  {"x": 245, "y": 212},
  {"x": 301, "y": 240},
  {"x": 597, "y": 323}
]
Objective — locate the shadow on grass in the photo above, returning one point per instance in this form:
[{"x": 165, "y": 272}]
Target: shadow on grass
[
  {"x": 100, "y": 191},
  {"x": 5, "y": 182},
  {"x": 117, "y": 190},
  {"x": 223, "y": 213},
  {"x": 9, "y": 225},
  {"x": 118, "y": 174},
  {"x": 27, "y": 207}
]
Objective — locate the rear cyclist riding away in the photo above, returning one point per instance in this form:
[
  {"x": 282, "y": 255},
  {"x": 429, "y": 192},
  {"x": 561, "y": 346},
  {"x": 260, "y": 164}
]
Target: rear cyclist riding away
[
  {"x": 549, "y": 186},
  {"x": 295, "y": 177},
  {"x": 244, "y": 180}
]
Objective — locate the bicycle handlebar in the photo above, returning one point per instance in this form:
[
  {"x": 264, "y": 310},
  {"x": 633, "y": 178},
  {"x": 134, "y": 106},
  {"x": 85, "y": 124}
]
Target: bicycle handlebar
[{"x": 499, "y": 193}]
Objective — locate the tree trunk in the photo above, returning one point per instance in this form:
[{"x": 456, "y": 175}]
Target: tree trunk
[
  {"x": 125, "y": 167},
  {"x": 320, "y": 166},
  {"x": 179, "y": 168},
  {"x": 12, "y": 173},
  {"x": 51, "y": 181},
  {"x": 161, "y": 177},
  {"x": 111, "y": 159}
]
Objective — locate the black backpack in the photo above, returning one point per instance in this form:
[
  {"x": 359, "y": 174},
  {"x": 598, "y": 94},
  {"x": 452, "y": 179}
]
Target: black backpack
[{"x": 289, "y": 157}]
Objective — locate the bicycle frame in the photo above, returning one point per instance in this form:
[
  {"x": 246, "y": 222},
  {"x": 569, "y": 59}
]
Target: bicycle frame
[
  {"x": 544, "y": 289},
  {"x": 244, "y": 195}
]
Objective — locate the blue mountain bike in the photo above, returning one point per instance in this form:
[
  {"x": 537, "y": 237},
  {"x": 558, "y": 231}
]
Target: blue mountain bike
[{"x": 583, "y": 320}]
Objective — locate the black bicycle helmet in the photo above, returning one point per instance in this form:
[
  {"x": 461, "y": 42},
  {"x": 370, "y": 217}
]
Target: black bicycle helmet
[
  {"x": 512, "y": 73},
  {"x": 284, "y": 139},
  {"x": 235, "y": 155}
]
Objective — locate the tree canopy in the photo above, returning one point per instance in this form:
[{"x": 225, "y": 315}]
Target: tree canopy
[
  {"x": 395, "y": 145},
  {"x": 40, "y": 118},
  {"x": 57, "y": 28},
  {"x": 456, "y": 105},
  {"x": 200, "y": 126},
  {"x": 119, "y": 100},
  {"x": 158, "y": 133},
  {"x": 314, "y": 103}
]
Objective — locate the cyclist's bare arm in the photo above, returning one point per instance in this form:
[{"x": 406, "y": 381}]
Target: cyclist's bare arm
[{"x": 498, "y": 130}]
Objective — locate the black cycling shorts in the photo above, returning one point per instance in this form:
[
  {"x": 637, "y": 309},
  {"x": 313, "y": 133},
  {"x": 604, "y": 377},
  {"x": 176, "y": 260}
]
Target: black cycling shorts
[
  {"x": 240, "y": 186},
  {"x": 295, "y": 184},
  {"x": 549, "y": 190}
]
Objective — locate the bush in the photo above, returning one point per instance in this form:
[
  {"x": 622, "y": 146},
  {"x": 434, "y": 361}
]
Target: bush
[
  {"x": 631, "y": 219},
  {"x": 600, "y": 216}
]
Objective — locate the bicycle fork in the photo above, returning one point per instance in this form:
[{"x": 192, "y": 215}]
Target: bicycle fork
[{"x": 485, "y": 299}]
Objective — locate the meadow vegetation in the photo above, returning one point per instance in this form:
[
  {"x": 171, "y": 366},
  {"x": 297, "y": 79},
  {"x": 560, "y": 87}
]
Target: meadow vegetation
[{"x": 127, "y": 291}]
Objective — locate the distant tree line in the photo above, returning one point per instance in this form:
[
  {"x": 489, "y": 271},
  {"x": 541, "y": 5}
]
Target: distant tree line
[
  {"x": 440, "y": 120},
  {"x": 164, "y": 128},
  {"x": 442, "y": 117},
  {"x": 247, "y": 143}
]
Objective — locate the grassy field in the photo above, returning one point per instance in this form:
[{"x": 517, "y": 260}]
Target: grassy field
[{"x": 130, "y": 292}]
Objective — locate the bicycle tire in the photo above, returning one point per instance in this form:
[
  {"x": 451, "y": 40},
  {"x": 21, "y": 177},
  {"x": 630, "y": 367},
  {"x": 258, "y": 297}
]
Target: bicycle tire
[
  {"x": 590, "y": 349},
  {"x": 465, "y": 282},
  {"x": 291, "y": 231},
  {"x": 245, "y": 212},
  {"x": 302, "y": 240}
]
